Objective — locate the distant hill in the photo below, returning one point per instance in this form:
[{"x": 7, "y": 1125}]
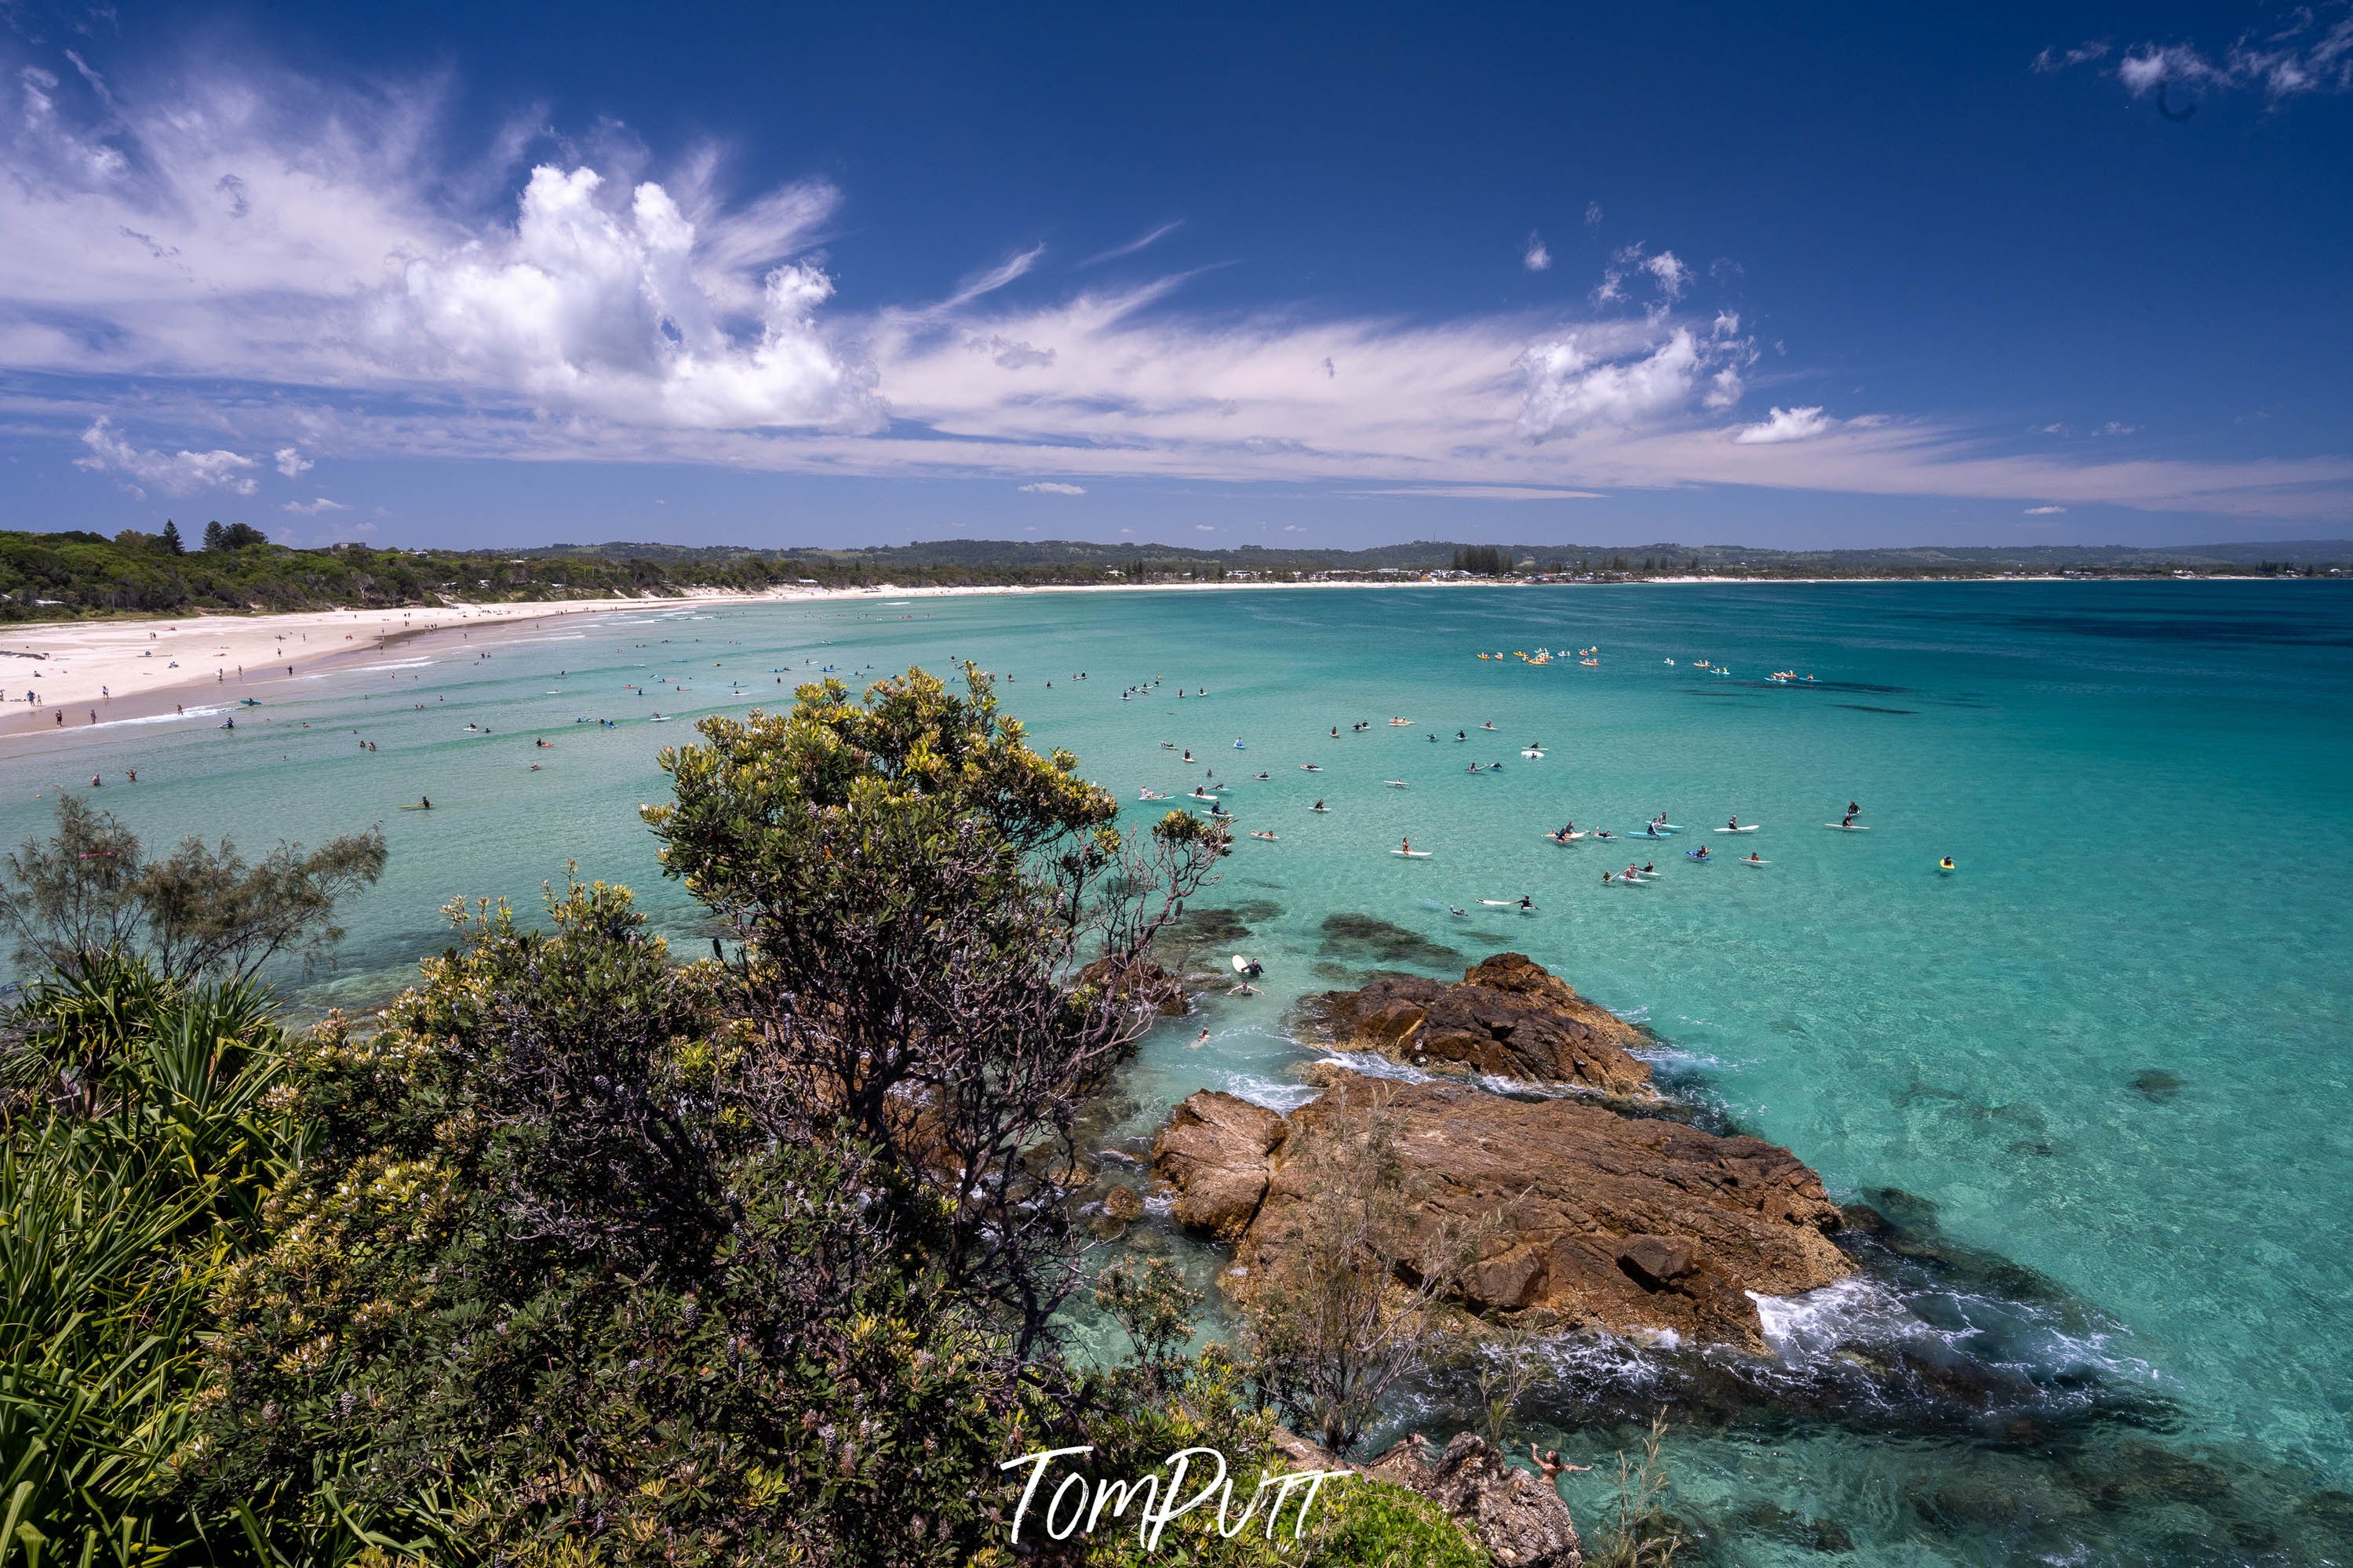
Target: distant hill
[{"x": 70, "y": 573}]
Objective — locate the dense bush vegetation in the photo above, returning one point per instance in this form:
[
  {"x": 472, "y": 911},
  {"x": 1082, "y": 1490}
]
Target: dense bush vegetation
[{"x": 577, "y": 1254}]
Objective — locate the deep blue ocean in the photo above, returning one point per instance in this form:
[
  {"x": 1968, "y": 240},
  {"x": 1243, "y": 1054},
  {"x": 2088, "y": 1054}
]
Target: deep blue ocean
[{"x": 2097, "y": 1074}]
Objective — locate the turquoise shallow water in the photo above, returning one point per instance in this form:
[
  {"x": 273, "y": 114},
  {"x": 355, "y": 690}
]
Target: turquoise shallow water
[{"x": 2101, "y": 1071}]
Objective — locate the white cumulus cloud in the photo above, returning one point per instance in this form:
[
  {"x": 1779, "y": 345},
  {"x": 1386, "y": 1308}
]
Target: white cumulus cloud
[
  {"x": 176, "y": 473},
  {"x": 2044, "y": 511},
  {"x": 1673, "y": 277},
  {"x": 1052, "y": 488},
  {"x": 313, "y": 507},
  {"x": 1534, "y": 255},
  {"x": 595, "y": 306},
  {"x": 1785, "y": 424},
  {"x": 293, "y": 463},
  {"x": 1571, "y": 384}
]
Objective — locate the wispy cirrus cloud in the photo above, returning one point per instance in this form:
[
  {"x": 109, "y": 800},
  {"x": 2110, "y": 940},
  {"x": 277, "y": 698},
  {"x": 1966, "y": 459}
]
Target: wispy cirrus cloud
[
  {"x": 1149, "y": 237},
  {"x": 2310, "y": 52},
  {"x": 1052, "y": 488},
  {"x": 301, "y": 268}
]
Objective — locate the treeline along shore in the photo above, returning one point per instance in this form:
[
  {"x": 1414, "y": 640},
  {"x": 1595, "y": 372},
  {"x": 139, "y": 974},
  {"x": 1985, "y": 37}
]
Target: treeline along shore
[{"x": 236, "y": 569}]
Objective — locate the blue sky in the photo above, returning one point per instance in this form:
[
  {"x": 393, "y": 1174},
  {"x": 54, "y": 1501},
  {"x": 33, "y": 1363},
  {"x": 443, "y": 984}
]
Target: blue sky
[{"x": 448, "y": 275}]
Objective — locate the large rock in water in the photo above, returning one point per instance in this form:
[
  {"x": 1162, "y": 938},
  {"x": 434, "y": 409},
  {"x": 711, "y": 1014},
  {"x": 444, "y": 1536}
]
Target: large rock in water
[
  {"x": 1214, "y": 1152},
  {"x": 1518, "y": 1520},
  {"x": 1509, "y": 1016},
  {"x": 1603, "y": 1221}
]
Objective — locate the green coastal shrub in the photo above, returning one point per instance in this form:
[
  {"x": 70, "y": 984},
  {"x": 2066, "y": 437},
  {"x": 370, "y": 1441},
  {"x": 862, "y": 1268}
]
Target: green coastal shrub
[
  {"x": 1355, "y": 1523},
  {"x": 560, "y": 1280}
]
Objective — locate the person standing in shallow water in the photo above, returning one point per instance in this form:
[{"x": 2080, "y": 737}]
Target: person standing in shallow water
[{"x": 1549, "y": 1463}]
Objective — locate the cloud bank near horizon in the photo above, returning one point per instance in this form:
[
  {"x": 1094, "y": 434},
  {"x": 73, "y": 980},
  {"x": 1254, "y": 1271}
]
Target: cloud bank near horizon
[{"x": 243, "y": 263}]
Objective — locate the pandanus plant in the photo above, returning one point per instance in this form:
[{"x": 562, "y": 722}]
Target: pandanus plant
[{"x": 134, "y": 1149}]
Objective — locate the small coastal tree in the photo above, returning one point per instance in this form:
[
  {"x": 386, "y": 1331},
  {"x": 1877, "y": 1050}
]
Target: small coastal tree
[
  {"x": 915, "y": 892},
  {"x": 90, "y": 890},
  {"x": 1347, "y": 1304}
]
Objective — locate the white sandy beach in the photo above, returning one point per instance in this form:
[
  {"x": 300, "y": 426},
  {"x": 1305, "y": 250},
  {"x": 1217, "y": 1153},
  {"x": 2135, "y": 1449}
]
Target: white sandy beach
[{"x": 90, "y": 671}]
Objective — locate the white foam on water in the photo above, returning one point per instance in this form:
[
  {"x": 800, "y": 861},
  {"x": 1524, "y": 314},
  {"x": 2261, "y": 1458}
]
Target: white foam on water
[
  {"x": 1818, "y": 1321},
  {"x": 1281, "y": 1098},
  {"x": 1368, "y": 1065},
  {"x": 402, "y": 664},
  {"x": 150, "y": 718},
  {"x": 1496, "y": 1083},
  {"x": 1619, "y": 1359}
]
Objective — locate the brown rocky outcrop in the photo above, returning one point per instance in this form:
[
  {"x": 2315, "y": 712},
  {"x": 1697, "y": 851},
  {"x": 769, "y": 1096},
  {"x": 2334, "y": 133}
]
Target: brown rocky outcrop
[
  {"x": 1142, "y": 980},
  {"x": 1518, "y": 1520},
  {"x": 1214, "y": 1152},
  {"x": 1600, "y": 1221},
  {"x": 1508, "y": 1015}
]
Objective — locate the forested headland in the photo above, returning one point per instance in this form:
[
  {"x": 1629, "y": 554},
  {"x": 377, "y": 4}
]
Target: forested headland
[{"x": 235, "y": 568}]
